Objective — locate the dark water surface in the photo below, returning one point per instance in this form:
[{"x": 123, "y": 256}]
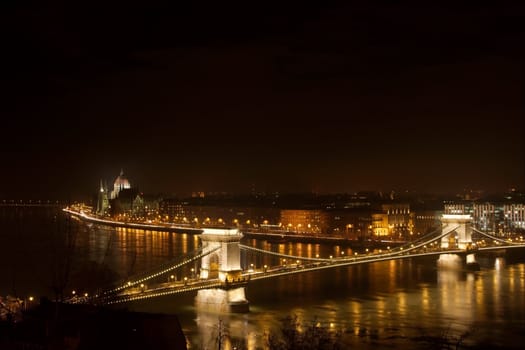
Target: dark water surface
[{"x": 397, "y": 304}]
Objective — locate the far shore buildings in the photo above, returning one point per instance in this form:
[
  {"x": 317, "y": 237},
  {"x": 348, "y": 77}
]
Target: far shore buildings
[
  {"x": 352, "y": 217},
  {"x": 125, "y": 201},
  {"x": 357, "y": 216},
  {"x": 363, "y": 215},
  {"x": 500, "y": 218}
]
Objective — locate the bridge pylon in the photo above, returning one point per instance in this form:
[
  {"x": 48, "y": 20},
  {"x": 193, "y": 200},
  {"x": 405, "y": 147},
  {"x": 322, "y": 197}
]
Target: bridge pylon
[
  {"x": 460, "y": 238},
  {"x": 226, "y": 262}
]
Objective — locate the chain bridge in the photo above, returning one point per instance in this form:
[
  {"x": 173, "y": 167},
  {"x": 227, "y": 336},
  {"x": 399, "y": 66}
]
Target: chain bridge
[{"x": 221, "y": 278}]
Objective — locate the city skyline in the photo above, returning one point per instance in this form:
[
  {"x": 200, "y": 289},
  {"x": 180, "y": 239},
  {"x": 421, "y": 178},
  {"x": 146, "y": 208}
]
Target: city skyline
[{"x": 332, "y": 98}]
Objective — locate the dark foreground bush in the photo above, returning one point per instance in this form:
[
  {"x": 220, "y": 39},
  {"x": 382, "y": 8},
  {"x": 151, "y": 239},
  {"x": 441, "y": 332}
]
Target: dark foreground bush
[{"x": 295, "y": 336}]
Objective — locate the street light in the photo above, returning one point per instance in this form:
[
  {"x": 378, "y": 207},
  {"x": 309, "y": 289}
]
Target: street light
[{"x": 27, "y": 304}]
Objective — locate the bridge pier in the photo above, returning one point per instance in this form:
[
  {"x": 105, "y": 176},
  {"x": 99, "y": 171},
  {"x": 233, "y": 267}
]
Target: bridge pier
[
  {"x": 450, "y": 261},
  {"x": 458, "y": 261},
  {"x": 222, "y": 300},
  {"x": 226, "y": 263},
  {"x": 471, "y": 262}
]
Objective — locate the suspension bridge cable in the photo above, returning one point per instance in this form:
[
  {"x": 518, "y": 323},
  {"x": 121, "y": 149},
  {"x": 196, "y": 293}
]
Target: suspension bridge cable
[
  {"x": 493, "y": 237},
  {"x": 158, "y": 272}
]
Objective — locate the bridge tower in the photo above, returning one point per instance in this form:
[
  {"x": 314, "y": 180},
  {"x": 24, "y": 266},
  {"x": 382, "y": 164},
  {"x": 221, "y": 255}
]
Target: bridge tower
[
  {"x": 460, "y": 237},
  {"x": 226, "y": 261}
]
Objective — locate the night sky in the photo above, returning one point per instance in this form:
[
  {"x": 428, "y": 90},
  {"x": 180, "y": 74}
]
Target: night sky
[{"x": 225, "y": 96}]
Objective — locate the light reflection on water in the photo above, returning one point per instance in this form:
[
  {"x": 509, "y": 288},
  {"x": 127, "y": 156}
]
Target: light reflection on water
[
  {"x": 381, "y": 304},
  {"x": 375, "y": 305}
]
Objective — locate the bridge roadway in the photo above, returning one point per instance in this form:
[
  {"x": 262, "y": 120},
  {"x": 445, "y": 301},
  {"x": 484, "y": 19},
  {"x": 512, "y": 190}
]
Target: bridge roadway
[
  {"x": 188, "y": 285},
  {"x": 138, "y": 289},
  {"x": 135, "y": 288},
  {"x": 137, "y": 292},
  {"x": 179, "y": 228}
]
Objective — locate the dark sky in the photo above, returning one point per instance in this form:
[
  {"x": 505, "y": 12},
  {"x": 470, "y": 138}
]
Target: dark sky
[{"x": 225, "y": 96}]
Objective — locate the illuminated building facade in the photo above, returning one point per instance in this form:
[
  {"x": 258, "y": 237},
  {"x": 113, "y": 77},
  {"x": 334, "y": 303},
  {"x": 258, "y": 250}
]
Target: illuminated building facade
[
  {"x": 380, "y": 225},
  {"x": 175, "y": 210},
  {"x": 352, "y": 219},
  {"x": 102, "y": 200},
  {"x": 355, "y": 223},
  {"x": 125, "y": 202},
  {"x": 426, "y": 221},
  {"x": 499, "y": 218},
  {"x": 514, "y": 215},
  {"x": 461, "y": 208},
  {"x": 400, "y": 219},
  {"x": 484, "y": 216},
  {"x": 309, "y": 221},
  {"x": 121, "y": 183}
]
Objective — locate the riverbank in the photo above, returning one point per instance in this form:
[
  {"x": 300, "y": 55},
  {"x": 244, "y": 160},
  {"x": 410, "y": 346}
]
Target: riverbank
[
  {"x": 143, "y": 226},
  {"x": 281, "y": 237},
  {"x": 51, "y": 325}
]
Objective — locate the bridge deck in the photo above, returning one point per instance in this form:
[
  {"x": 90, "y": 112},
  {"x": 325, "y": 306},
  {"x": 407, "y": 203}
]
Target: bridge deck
[
  {"x": 137, "y": 288},
  {"x": 163, "y": 289}
]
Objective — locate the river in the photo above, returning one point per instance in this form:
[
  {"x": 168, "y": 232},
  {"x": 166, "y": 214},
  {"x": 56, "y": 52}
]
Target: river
[{"x": 398, "y": 304}]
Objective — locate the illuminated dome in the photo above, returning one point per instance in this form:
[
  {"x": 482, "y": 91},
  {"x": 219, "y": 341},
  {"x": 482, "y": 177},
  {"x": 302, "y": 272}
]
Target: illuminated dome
[{"x": 121, "y": 182}]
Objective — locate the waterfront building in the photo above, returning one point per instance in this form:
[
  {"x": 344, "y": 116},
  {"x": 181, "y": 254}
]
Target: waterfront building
[
  {"x": 514, "y": 217},
  {"x": 237, "y": 213},
  {"x": 147, "y": 206},
  {"x": 173, "y": 208},
  {"x": 426, "y": 221},
  {"x": 380, "y": 224},
  {"x": 103, "y": 200},
  {"x": 352, "y": 223},
  {"x": 400, "y": 219},
  {"x": 305, "y": 221},
  {"x": 346, "y": 216},
  {"x": 458, "y": 208},
  {"x": 121, "y": 183},
  {"x": 484, "y": 216},
  {"x": 501, "y": 216},
  {"x": 125, "y": 201}
]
